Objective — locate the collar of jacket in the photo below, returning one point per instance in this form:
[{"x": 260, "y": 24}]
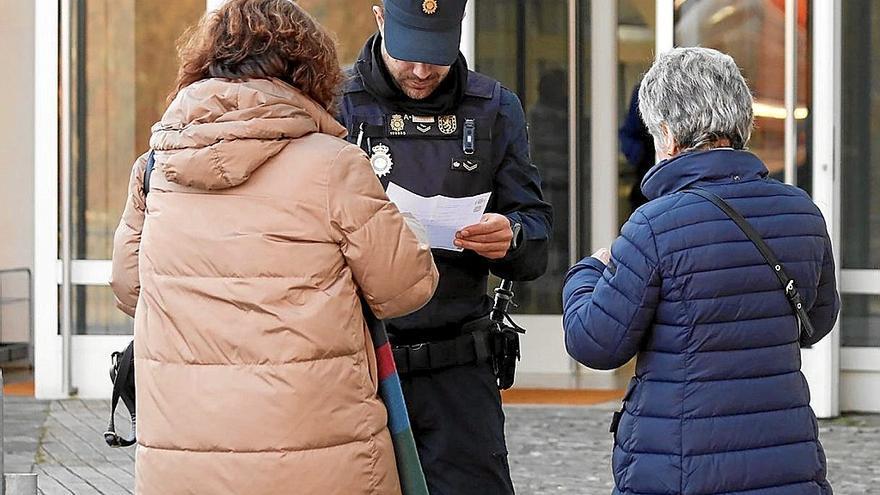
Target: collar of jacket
[
  {"x": 377, "y": 81},
  {"x": 718, "y": 165}
]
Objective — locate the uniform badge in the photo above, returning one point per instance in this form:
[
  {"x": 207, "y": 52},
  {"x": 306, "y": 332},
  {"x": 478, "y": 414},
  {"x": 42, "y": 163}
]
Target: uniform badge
[
  {"x": 429, "y": 7},
  {"x": 447, "y": 124},
  {"x": 397, "y": 125},
  {"x": 465, "y": 164},
  {"x": 381, "y": 160}
]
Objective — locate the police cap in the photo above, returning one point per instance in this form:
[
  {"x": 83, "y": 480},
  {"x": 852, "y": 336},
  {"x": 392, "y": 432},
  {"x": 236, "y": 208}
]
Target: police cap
[{"x": 425, "y": 31}]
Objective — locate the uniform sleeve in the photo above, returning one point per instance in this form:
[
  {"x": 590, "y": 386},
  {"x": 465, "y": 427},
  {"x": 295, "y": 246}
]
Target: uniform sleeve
[
  {"x": 124, "y": 279},
  {"x": 608, "y": 310},
  {"x": 824, "y": 312},
  {"x": 394, "y": 271},
  {"x": 518, "y": 196}
]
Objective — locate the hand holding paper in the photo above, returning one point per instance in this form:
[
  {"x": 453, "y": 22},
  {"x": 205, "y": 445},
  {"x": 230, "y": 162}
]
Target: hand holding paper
[
  {"x": 490, "y": 238},
  {"x": 443, "y": 217}
]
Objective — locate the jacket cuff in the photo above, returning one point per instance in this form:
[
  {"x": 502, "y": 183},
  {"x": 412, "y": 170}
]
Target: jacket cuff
[
  {"x": 594, "y": 263},
  {"x": 513, "y": 253}
]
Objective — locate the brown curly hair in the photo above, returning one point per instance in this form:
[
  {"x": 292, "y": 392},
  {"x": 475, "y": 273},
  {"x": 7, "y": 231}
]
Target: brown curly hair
[{"x": 262, "y": 39}]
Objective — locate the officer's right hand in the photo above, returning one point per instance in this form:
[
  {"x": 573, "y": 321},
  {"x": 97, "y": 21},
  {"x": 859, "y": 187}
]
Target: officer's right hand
[{"x": 490, "y": 238}]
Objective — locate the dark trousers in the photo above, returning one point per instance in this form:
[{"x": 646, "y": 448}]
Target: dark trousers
[{"x": 458, "y": 425}]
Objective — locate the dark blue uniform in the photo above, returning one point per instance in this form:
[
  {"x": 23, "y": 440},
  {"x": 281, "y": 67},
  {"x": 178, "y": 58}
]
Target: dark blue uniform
[
  {"x": 433, "y": 163},
  {"x": 479, "y": 146}
]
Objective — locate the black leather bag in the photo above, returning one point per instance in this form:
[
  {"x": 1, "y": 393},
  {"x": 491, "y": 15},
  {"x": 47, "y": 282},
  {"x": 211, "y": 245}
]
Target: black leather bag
[
  {"x": 122, "y": 376},
  {"x": 122, "y": 368}
]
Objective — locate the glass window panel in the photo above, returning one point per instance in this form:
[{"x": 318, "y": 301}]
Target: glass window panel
[
  {"x": 860, "y": 136},
  {"x": 860, "y": 321},
  {"x": 584, "y": 140},
  {"x": 124, "y": 62},
  {"x": 351, "y": 21},
  {"x": 753, "y": 33},
  {"x": 124, "y": 58},
  {"x": 95, "y": 312},
  {"x": 636, "y": 44},
  {"x": 524, "y": 44}
]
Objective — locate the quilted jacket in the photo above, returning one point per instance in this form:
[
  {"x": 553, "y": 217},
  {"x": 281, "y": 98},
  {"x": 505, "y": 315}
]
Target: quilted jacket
[
  {"x": 245, "y": 269},
  {"x": 718, "y": 404}
]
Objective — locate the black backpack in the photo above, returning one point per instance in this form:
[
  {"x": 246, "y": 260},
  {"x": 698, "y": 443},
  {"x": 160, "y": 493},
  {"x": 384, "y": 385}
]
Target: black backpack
[{"x": 122, "y": 368}]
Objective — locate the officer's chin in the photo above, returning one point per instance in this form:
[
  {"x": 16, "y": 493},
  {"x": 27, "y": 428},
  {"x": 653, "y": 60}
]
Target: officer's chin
[{"x": 418, "y": 94}]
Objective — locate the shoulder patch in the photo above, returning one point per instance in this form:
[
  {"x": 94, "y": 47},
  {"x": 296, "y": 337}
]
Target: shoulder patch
[
  {"x": 481, "y": 86},
  {"x": 353, "y": 82}
]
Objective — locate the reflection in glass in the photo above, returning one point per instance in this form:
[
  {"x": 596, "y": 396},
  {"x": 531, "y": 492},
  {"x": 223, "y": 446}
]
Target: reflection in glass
[
  {"x": 636, "y": 46},
  {"x": 860, "y": 164},
  {"x": 860, "y": 136},
  {"x": 95, "y": 313},
  {"x": 524, "y": 44},
  {"x": 753, "y": 33},
  {"x": 860, "y": 321},
  {"x": 124, "y": 61}
]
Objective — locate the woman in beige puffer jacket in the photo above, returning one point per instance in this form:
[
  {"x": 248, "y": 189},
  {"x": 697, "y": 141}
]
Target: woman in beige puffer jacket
[{"x": 244, "y": 268}]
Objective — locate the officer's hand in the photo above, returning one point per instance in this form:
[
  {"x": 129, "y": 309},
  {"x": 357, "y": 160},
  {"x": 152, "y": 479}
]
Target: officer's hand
[{"x": 490, "y": 238}]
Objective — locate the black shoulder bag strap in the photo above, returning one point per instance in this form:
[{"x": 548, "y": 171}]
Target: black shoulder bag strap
[
  {"x": 788, "y": 283},
  {"x": 151, "y": 162},
  {"x": 123, "y": 367}
]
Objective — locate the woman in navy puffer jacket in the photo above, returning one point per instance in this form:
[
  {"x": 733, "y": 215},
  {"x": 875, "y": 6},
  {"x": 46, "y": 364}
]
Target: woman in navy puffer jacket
[{"x": 718, "y": 404}]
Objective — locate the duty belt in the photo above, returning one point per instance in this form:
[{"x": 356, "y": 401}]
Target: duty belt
[{"x": 471, "y": 347}]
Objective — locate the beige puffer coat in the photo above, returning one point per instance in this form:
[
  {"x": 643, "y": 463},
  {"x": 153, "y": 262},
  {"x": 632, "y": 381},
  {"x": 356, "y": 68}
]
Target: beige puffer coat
[{"x": 255, "y": 371}]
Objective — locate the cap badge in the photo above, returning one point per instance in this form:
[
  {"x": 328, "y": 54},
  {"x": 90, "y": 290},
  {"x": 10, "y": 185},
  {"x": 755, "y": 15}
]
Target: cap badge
[
  {"x": 397, "y": 125},
  {"x": 429, "y": 7},
  {"x": 447, "y": 124},
  {"x": 381, "y": 160}
]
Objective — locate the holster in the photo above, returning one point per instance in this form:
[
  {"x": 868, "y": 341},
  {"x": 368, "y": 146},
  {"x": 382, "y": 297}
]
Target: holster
[{"x": 505, "y": 353}]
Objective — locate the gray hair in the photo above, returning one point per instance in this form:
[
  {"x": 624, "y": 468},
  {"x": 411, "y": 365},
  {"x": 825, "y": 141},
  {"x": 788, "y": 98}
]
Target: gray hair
[{"x": 699, "y": 96}]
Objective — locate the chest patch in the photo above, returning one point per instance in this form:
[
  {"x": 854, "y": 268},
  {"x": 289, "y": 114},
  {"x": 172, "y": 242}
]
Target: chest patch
[
  {"x": 381, "y": 160},
  {"x": 469, "y": 164}
]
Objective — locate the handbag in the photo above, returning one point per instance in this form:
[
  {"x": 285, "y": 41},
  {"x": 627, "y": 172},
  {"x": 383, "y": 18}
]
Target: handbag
[
  {"x": 122, "y": 367},
  {"x": 122, "y": 377},
  {"x": 788, "y": 284}
]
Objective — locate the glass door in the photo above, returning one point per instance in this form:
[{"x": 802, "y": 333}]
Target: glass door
[
  {"x": 860, "y": 205},
  {"x": 118, "y": 64},
  {"x": 775, "y": 43},
  {"x": 525, "y": 44}
]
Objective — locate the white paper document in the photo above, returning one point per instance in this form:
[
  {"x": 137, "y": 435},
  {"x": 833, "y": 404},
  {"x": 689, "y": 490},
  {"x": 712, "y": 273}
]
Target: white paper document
[{"x": 441, "y": 216}]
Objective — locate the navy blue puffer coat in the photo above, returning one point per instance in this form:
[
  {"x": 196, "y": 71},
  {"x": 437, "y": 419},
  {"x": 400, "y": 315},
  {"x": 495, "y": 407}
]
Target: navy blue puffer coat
[{"x": 718, "y": 404}]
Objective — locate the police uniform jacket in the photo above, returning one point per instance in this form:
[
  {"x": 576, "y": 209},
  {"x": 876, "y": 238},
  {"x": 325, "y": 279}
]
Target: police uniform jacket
[{"x": 430, "y": 155}]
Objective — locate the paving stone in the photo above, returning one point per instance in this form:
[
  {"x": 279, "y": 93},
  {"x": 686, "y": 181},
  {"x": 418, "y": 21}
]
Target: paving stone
[{"x": 553, "y": 450}]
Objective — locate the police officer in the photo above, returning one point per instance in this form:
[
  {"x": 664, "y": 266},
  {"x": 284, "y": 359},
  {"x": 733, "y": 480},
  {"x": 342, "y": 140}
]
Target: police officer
[{"x": 435, "y": 128}]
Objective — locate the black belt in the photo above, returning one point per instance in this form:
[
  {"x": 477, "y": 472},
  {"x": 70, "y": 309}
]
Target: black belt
[{"x": 471, "y": 347}]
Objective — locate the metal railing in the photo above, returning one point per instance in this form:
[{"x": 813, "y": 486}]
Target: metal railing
[{"x": 22, "y": 296}]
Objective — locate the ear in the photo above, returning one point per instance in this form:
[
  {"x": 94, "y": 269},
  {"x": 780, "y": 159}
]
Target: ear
[
  {"x": 669, "y": 146},
  {"x": 379, "y": 13}
]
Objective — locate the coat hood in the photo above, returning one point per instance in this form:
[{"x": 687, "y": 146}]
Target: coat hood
[
  {"x": 216, "y": 132},
  {"x": 716, "y": 165}
]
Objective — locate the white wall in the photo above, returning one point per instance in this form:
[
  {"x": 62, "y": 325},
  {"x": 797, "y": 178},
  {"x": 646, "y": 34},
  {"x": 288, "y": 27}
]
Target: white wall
[{"x": 16, "y": 152}]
